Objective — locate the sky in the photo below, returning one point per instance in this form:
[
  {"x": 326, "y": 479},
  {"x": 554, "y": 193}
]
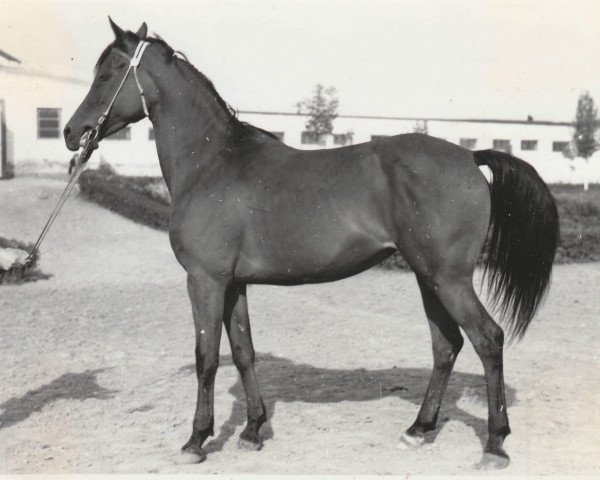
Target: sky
[{"x": 409, "y": 58}]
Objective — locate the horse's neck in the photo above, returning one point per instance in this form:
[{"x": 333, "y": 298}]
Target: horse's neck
[{"x": 190, "y": 127}]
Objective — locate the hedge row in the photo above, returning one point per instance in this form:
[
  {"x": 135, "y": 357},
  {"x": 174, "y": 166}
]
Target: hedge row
[
  {"x": 572, "y": 248},
  {"x": 117, "y": 194},
  {"x": 145, "y": 200}
]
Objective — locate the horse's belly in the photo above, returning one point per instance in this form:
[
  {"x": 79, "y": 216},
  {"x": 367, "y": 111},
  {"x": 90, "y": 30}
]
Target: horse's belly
[{"x": 312, "y": 260}]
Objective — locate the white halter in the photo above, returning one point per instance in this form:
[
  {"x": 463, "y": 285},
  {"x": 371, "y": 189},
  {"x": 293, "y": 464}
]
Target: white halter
[{"x": 133, "y": 63}]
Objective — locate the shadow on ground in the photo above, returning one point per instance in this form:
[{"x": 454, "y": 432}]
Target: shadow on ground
[
  {"x": 282, "y": 380},
  {"x": 18, "y": 276},
  {"x": 71, "y": 386}
]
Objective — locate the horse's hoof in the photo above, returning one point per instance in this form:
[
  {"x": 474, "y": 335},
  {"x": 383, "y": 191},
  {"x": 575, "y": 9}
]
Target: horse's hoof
[
  {"x": 193, "y": 453},
  {"x": 493, "y": 461},
  {"x": 408, "y": 441},
  {"x": 250, "y": 445}
]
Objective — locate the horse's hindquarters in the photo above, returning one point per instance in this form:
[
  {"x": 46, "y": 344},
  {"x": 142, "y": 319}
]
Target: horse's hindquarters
[{"x": 441, "y": 207}]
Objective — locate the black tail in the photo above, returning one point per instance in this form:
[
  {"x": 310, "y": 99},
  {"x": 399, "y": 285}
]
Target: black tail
[{"x": 523, "y": 237}]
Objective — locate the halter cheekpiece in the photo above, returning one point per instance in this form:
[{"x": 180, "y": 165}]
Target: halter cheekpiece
[{"x": 133, "y": 64}]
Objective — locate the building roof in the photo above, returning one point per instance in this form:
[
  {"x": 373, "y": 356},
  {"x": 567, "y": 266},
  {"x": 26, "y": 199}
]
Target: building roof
[
  {"x": 12, "y": 65},
  {"x": 9, "y": 57},
  {"x": 425, "y": 119},
  {"x": 29, "y": 72}
]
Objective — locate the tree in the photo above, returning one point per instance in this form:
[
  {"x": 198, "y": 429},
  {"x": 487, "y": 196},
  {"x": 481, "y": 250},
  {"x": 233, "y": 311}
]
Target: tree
[
  {"x": 421, "y": 127},
  {"x": 321, "y": 109},
  {"x": 586, "y": 126}
]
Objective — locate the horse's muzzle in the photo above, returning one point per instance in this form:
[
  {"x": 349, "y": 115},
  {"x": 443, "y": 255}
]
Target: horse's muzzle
[{"x": 75, "y": 138}]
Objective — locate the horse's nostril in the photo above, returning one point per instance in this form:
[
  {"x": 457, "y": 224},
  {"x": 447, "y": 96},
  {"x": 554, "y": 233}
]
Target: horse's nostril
[{"x": 67, "y": 131}]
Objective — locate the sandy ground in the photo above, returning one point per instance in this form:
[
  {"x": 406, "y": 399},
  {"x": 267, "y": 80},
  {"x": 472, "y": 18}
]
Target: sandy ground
[{"x": 97, "y": 365}]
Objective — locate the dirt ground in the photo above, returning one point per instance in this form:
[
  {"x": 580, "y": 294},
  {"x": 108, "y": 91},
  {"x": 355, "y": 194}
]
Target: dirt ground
[{"x": 97, "y": 365}]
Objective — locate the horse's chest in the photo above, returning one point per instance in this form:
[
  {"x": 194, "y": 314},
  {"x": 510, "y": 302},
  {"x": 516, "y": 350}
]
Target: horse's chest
[{"x": 205, "y": 233}]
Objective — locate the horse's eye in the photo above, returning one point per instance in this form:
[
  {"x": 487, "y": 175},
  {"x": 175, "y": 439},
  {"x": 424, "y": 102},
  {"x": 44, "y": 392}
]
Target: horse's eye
[{"x": 104, "y": 77}]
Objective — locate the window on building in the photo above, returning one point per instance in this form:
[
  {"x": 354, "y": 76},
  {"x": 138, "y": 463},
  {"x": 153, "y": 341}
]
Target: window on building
[
  {"x": 124, "y": 134},
  {"x": 378, "y": 137},
  {"x": 48, "y": 122},
  {"x": 529, "y": 144},
  {"x": 150, "y": 133},
  {"x": 502, "y": 145},
  {"x": 559, "y": 146},
  {"x": 279, "y": 135},
  {"x": 470, "y": 143},
  {"x": 342, "y": 139},
  {"x": 311, "y": 138}
]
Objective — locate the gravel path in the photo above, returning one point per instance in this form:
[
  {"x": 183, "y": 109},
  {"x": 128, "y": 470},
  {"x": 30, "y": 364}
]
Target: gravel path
[{"x": 97, "y": 362}]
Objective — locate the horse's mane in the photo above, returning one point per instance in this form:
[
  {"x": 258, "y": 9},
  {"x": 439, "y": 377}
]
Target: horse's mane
[{"x": 171, "y": 55}]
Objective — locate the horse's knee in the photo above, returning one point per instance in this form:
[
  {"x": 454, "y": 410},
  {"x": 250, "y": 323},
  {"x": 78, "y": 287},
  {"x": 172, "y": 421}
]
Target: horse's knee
[
  {"x": 243, "y": 356},
  {"x": 206, "y": 367},
  {"x": 445, "y": 357}
]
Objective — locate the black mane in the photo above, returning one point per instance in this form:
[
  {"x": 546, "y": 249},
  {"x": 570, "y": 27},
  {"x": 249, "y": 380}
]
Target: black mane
[{"x": 174, "y": 55}]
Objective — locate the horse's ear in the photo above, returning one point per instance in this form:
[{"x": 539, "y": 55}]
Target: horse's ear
[
  {"x": 142, "y": 31},
  {"x": 119, "y": 32}
]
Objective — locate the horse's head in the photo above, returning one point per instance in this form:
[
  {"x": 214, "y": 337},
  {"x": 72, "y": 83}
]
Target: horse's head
[{"x": 109, "y": 73}]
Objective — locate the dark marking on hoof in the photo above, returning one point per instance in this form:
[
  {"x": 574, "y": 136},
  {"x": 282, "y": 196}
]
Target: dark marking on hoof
[
  {"x": 493, "y": 461},
  {"x": 408, "y": 441},
  {"x": 195, "y": 452},
  {"x": 250, "y": 445}
]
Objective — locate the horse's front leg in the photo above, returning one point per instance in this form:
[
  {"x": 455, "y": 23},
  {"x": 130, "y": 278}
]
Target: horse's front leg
[
  {"x": 208, "y": 304},
  {"x": 237, "y": 324}
]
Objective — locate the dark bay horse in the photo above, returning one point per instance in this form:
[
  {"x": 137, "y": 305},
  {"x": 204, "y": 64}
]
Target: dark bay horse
[{"x": 248, "y": 209}]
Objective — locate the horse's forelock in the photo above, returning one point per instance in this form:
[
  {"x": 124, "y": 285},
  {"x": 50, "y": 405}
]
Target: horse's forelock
[{"x": 105, "y": 53}]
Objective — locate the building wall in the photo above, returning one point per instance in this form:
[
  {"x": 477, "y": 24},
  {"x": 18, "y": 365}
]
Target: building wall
[
  {"x": 23, "y": 92},
  {"x": 6, "y": 170},
  {"x": 552, "y": 166}
]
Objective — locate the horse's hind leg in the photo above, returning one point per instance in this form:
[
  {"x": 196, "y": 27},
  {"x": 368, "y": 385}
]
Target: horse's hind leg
[
  {"x": 237, "y": 324},
  {"x": 446, "y": 344},
  {"x": 458, "y": 296}
]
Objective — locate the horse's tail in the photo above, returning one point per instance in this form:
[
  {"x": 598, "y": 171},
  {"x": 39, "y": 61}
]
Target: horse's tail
[{"x": 522, "y": 240}]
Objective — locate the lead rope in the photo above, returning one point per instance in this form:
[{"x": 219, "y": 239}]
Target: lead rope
[{"x": 87, "y": 149}]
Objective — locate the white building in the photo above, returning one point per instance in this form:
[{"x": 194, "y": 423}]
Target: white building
[
  {"x": 35, "y": 105},
  {"x": 538, "y": 142}
]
